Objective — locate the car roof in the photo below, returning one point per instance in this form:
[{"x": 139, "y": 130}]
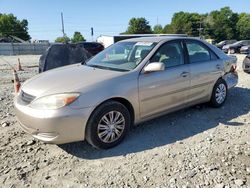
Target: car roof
[{"x": 156, "y": 39}]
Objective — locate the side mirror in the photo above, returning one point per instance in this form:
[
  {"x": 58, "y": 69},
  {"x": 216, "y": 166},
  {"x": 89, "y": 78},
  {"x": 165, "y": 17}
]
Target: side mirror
[{"x": 154, "y": 67}]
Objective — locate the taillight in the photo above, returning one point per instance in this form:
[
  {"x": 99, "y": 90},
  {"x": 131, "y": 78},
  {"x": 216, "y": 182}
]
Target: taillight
[{"x": 233, "y": 68}]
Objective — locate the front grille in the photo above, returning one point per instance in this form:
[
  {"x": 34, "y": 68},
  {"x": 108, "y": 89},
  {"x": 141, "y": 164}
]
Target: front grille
[{"x": 26, "y": 98}]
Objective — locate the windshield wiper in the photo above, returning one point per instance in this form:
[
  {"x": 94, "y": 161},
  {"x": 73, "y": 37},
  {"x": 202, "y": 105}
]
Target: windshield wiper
[
  {"x": 107, "y": 68},
  {"x": 97, "y": 66}
]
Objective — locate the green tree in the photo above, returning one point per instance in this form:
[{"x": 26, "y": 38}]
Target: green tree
[
  {"x": 138, "y": 26},
  {"x": 243, "y": 26},
  {"x": 221, "y": 25},
  {"x": 64, "y": 39},
  {"x": 11, "y": 26},
  {"x": 168, "y": 29},
  {"x": 184, "y": 23},
  {"x": 158, "y": 29},
  {"x": 77, "y": 37}
]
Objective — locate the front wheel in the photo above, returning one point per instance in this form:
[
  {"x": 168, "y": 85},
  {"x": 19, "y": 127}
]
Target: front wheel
[
  {"x": 108, "y": 125},
  {"x": 219, "y": 94},
  {"x": 232, "y": 51}
]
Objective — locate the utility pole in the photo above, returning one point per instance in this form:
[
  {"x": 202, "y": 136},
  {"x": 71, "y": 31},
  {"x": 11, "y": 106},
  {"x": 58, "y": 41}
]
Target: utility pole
[
  {"x": 200, "y": 29},
  {"x": 92, "y": 33},
  {"x": 62, "y": 24}
]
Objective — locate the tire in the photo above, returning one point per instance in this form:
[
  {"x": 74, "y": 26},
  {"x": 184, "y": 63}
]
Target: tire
[
  {"x": 232, "y": 51},
  {"x": 219, "y": 94},
  {"x": 103, "y": 134}
]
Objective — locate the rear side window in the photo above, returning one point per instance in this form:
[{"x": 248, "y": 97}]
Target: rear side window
[
  {"x": 90, "y": 45},
  {"x": 199, "y": 53}
]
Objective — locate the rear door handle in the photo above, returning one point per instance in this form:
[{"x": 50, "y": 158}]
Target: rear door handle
[
  {"x": 184, "y": 74},
  {"x": 218, "y": 66}
]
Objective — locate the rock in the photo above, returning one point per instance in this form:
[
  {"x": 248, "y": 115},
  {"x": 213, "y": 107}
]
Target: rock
[
  {"x": 22, "y": 176},
  {"x": 172, "y": 180},
  {"x": 221, "y": 139},
  {"x": 221, "y": 185},
  {"x": 145, "y": 179},
  {"x": 5, "y": 124},
  {"x": 239, "y": 182},
  {"x": 248, "y": 170},
  {"x": 191, "y": 173},
  {"x": 247, "y": 153},
  {"x": 30, "y": 143},
  {"x": 47, "y": 177},
  {"x": 209, "y": 139}
]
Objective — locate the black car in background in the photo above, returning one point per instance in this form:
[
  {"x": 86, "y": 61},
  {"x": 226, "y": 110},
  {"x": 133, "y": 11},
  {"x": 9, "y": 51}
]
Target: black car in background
[
  {"x": 58, "y": 55},
  {"x": 92, "y": 47},
  {"x": 245, "y": 49},
  {"x": 225, "y": 42},
  {"x": 235, "y": 47},
  {"x": 246, "y": 64}
]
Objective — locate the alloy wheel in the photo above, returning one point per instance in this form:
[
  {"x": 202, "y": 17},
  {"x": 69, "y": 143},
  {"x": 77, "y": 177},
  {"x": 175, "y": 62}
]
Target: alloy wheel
[
  {"x": 220, "y": 94},
  {"x": 111, "y": 127}
]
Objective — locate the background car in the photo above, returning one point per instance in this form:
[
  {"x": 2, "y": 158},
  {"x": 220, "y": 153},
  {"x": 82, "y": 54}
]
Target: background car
[
  {"x": 245, "y": 49},
  {"x": 225, "y": 42},
  {"x": 246, "y": 64},
  {"x": 58, "y": 55},
  {"x": 235, "y": 47},
  {"x": 130, "y": 82},
  {"x": 92, "y": 47}
]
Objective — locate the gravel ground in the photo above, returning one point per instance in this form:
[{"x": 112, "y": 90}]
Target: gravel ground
[{"x": 196, "y": 147}]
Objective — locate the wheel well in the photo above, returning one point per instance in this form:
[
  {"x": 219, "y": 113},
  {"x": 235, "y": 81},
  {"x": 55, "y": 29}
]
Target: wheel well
[
  {"x": 126, "y": 103},
  {"x": 221, "y": 78}
]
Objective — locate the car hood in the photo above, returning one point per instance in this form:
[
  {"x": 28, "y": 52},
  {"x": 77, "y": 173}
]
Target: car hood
[
  {"x": 227, "y": 46},
  {"x": 73, "y": 78},
  {"x": 245, "y": 47}
]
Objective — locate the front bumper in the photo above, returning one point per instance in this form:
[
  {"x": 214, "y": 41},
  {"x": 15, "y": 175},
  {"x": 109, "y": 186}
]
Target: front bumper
[
  {"x": 59, "y": 126},
  {"x": 244, "y": 51},
  {"x": 225, "y": 50},
  {"x": 246, "y": 67}
]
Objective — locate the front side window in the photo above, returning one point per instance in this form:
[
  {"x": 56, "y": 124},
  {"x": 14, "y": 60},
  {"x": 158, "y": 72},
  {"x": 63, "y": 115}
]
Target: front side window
[
  {"x": 122, "y": 56},
  {"x": 198, "y": 53},
  {"x": 171, "y": 54}
]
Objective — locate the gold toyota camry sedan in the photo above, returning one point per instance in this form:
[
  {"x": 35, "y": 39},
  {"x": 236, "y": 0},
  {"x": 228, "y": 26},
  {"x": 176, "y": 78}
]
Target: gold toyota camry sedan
[{"x": 131, "y": 81}]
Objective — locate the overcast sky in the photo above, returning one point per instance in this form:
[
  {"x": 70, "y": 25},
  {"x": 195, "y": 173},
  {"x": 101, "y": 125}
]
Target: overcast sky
[{"x": 107, "y": 17}]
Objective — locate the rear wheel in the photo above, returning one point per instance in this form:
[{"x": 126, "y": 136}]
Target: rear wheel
[
  {"x": 108, "y": 125},
  {"x": 219, "y": 94}
]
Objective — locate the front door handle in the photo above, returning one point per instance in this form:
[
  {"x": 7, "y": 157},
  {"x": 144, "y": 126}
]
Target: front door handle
[{"x": 184, "y": 74}]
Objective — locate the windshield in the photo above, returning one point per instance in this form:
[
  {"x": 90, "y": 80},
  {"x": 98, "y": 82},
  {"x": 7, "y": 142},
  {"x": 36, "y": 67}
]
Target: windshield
[
  {"x": 239, "y": 42},
  {"x": 122, "y": 56},
  {"x": 221, "y": 43}
]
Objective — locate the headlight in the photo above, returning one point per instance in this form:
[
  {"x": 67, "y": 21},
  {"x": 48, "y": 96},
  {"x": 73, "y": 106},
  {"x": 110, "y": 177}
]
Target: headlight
[{"x": 52, "y": 102}]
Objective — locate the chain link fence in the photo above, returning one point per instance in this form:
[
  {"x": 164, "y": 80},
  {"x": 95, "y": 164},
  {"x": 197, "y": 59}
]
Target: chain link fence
[{"x": 23, "y": 48}]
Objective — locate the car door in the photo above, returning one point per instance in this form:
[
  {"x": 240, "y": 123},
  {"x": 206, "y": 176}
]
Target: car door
[
  {"x": 205, "y": 69},
  {"x": 165, "y": 90}
]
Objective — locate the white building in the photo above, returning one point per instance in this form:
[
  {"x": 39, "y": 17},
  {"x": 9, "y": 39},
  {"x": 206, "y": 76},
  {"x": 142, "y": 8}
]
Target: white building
[{"x": 107, "y": 40}]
